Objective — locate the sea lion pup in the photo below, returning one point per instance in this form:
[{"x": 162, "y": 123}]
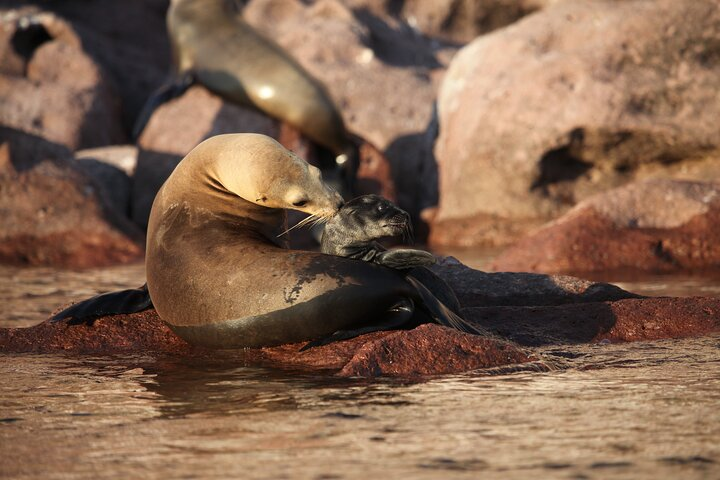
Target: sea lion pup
[
  {"x": 217, "y": 276},
  {"x": 212, "y": 45},
  {"x": 354, "y": 230}
]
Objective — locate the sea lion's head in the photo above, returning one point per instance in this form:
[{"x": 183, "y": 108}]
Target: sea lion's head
[
  {"x": 368, "y": 218},
  {"x": 260, "y": 170}
]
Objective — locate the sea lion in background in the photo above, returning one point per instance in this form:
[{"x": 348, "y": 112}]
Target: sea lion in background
[
  {"x": 217, "y": 276},
  {"x": 353, "y": 233},
  {"x": 212, "y": 45}
]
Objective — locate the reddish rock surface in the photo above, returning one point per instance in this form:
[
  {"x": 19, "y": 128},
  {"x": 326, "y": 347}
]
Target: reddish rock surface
[
  {"x": 578, "y": 98},
  {"x": 426, "y": 350},
  {"x": 655, "y": 225},
  {"x": 52, "y": 214},
  {"x": 57, "y": 92},
  {"x": 621, "y": 321}
]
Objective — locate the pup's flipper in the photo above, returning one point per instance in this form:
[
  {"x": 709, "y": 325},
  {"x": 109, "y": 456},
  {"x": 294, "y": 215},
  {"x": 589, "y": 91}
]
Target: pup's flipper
[{"x": 404, "y": 258}]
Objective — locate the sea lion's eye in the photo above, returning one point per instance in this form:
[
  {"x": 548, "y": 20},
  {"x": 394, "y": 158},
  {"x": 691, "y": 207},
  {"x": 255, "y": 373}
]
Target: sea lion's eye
[
  {"x": 300, "y": 203},
  {"x": 381, "y": 207}
]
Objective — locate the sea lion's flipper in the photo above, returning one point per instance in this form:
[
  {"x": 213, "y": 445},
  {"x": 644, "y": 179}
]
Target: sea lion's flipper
[
  {"x": 124, "y": 301},
  {"x": 397, "y": 317},
  {"x": 172, "y": 88},
  {"x": 439, "y": 313},
  {"x": 404, "y": 258},
  {"x": 439, "y": 287}
]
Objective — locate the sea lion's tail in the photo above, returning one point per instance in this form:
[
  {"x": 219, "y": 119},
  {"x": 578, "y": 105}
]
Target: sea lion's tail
[
  {"x": 440, "y": 313},
  {"x": 113, "y": 303}
]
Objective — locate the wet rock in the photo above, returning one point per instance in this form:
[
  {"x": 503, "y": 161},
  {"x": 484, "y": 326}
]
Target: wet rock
[
  {"x": 140, "y": 332},
  {"x": 52, "y": 214},
  {"x": 111, "y": 168},
  {"x": 475, "y": 288},
  {"x": 426, "y": 350},
  {"x": 576, "y": 99},
  {"x": 379, "y": 74},
  {"x": 57, "y": 92},
  {"x": 654, "y": 225},
  {"x": 627, "y": 320}
]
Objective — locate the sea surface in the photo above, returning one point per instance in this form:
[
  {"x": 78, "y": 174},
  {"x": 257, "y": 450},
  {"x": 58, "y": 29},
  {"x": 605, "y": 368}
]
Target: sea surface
[{"x": 648, "y": 410}]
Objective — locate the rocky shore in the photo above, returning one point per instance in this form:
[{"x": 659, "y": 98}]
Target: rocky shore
[
  {"x": 580, "y": 134},
  {"x": 519, "y": 311}
]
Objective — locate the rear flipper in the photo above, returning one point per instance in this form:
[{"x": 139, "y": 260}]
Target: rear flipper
[
  {"x": 125, "y": 301},
  {"x": 404, "y": 258},
  {"x": 399, "y": 316},
  {"x": 172, "y": 88},
  {"x": 441, "y": 314}
]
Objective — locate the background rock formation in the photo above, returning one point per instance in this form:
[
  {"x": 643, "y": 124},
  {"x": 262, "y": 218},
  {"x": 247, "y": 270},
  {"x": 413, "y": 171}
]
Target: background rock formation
[{"x": 578, "y": 98}]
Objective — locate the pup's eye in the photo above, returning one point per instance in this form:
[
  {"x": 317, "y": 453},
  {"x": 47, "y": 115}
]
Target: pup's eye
[
  {"x": 300, "y": 203},
  {"x": 381, "y": 208}
]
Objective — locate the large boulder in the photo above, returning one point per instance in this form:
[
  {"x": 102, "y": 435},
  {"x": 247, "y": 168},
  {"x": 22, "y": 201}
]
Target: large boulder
[
  {"x": 127, "y": 39},
  {"x": 53, "y": 214},
  {"x": 50, "y": 87},
  {"x": 578, "y": 98},
  {"x": 379, "y": 74},
  {"x": 654, "y": 225}
]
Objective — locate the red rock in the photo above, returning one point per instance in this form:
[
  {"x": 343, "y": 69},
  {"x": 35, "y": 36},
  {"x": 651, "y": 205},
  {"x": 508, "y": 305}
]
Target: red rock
[
  {"x": 656, "y": 225},
  {"x": 61, "y": 95},
  {"x": 627, "y": 320},
  {"x": 573, "y": 100},
  {"x": 52, "y": 213},
  {"x": 426, "y": 350},
  {"x": 140, "y": 332}
]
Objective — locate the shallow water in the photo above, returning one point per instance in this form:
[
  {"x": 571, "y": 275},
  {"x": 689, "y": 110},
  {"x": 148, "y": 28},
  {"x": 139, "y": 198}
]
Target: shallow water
[{"x": 643, "y": 410}]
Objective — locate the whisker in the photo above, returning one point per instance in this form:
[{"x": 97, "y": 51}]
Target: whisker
[{"x": 301, "y": 223}]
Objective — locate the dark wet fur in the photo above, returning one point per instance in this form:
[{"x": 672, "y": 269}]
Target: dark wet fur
[{"x": 353, "y": 232}]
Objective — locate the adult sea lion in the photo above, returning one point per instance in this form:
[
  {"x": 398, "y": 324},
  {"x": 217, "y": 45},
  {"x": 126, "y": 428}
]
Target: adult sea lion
[
  {"x": 212, "y": 45},
  {"x": 217, "y": 276}
]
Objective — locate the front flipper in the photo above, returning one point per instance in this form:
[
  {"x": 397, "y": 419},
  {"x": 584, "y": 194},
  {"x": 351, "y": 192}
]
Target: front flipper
[
  {"x": 405, "y": 258},
  {"x": 172, "y": 88},
  {"x": 397, "y": 317},
  {"x": 441, "y": 314},
  {"x": 125, "y": 301}
]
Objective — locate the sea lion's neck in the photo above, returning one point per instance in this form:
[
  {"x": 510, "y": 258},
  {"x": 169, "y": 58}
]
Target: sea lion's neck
[{"x": 206, "y": 200}]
